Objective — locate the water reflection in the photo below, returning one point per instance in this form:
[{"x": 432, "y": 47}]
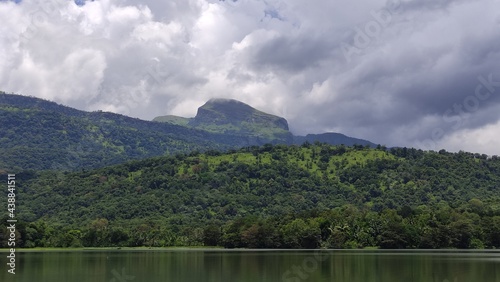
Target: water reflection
[{"x": 286, "y": 266}]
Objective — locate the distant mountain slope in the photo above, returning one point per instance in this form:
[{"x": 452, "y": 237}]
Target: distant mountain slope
[
  {"x": 332, "y": 138},
  {"x": 229, "y": 116},
  {"x": 235, "y": 117},
  {"x": 39, "y": 134},
  {"x": 19, "y": 101},
  {"x": 173, "y": 120}
]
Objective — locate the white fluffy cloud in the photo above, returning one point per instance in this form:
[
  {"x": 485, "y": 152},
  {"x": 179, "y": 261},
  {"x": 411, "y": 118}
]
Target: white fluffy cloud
[{"x": 397, "y": 72}]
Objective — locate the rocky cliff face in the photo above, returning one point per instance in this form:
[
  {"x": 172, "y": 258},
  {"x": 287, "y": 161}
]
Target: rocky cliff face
[
  {"x": 231, "y": 112},
  {"x": 234, "y": 118}
]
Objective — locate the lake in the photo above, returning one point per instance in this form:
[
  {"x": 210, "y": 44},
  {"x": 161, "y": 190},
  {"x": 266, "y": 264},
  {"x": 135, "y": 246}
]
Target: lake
[{"x": 254, "y": 265}]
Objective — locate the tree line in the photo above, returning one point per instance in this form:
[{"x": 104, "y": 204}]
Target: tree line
[{"x": 273, "y": 196}]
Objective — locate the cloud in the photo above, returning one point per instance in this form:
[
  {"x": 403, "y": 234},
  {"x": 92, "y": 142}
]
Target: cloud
[
  {"x": 400, "y": 73},
  {"x": 485, "y": 137}
]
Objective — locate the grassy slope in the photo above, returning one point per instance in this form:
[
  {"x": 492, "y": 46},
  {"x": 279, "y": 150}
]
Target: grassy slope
[
  {"x": 173, "y": 120},
  {"x": 347, "y": 160}
]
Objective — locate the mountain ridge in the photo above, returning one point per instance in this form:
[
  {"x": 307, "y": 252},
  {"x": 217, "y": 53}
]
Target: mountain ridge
[
  {"x": 40, "y": 134},
  {"x": 219, "y": 115},
  {"x": 223, "y": 112}
]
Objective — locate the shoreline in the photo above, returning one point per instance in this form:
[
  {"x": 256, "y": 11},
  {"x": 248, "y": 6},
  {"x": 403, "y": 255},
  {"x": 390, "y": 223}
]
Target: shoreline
[{"x": 220, "y": 249}]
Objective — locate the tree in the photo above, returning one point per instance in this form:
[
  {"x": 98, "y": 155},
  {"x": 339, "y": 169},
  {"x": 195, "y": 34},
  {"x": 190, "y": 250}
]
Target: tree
[
  {"x": 212, "y": 235},
  {"x": 301, "y": 234}
]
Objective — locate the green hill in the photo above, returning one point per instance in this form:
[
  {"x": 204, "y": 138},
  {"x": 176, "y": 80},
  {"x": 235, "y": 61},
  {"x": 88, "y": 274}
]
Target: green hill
[
  {"x": 38, "y": 134},
  {"x": 278, "y": 196},
  {"x": 173, "y": 120},
  {"x": 234, "y": 117},
  {"x": 333, "y": 139},
  {"x": 229, "y": 116}
]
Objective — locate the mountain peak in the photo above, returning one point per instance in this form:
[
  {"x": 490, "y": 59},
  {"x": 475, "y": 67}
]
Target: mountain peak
[
  {"x": 229, "y": 107},
  {"x": 224, "y": 101},
  {"x": 232, "y": 116},
  {"x": 228, "y": 111},
  {"x": 229, "y": 116},
  {"x": 235, "y": 118}
]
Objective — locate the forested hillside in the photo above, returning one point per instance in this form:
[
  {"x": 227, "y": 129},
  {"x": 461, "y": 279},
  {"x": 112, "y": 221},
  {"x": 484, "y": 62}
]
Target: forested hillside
[
  {"x": 280, "y": 196},
  {"x": 39, "y": 134}
]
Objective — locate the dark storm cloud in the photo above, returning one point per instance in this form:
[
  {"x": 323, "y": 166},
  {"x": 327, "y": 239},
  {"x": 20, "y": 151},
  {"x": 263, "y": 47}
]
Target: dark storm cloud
[
  {"x": 413, "y": 5},
  {"x": 400, "y": 73},
  {"x": 291, "y": 54}
]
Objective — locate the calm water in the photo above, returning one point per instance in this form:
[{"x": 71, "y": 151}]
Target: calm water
[{"x": 275, "y": 266}]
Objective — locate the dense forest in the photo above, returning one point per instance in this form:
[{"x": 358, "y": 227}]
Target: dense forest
[{"x": 272, "y": 196}]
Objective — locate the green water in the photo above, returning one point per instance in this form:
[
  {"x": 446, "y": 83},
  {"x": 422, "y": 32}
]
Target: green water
[{"x": 224, "y": 265}]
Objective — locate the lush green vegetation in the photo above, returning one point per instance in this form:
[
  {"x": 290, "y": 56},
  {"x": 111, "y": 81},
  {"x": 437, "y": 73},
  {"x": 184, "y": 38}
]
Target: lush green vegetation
[
  {"x": 38, "y": 134},
  {"x": 236, "y": 118},
  {"x": 173, "y": 120},
  {"x": 279, "y": 196}
]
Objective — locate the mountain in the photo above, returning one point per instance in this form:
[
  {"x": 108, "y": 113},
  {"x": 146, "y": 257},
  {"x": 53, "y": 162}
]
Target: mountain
[
  {"x": 273, "y": 196},
  {"x": 230, "y": 116},
  {"x": 234, "y": 117},
  {"x": 173, "y": 120},
  {"x": 39, "y": 134},
  {"x": 333, "y": 139}
]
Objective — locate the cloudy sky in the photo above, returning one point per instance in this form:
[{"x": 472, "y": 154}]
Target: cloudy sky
[{"x": 422, "y": 73}]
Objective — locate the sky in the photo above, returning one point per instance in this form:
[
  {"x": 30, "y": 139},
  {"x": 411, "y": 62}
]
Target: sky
[{"x": 415, "y": 73}]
